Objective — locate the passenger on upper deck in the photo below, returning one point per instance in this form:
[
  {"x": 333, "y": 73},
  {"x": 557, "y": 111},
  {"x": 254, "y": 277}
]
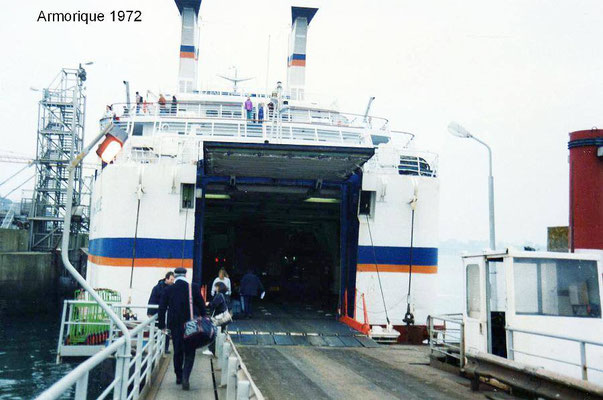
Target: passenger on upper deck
[
  {"x": 162, "y": 101},
  {"x": 261, "y": 113},
  {"x": 138, "y": 102},
  {"x": 109, "y": 113},
  {"x": 270, "y": 109},
  {"x": 249, "y": 108},
  {"x": 174, "y": 105}
]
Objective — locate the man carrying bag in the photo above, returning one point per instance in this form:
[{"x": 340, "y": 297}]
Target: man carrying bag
[{"x": 185, "y": 303}]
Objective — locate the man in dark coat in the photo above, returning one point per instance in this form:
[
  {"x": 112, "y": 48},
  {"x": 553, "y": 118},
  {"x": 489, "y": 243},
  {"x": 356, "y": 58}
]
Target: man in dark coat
[
  {"x": 250, "y": 288},
  {"x": 155, "y": 299},
  {"x": 175, "y": 299},
  {"x": 158, "y": 290}
]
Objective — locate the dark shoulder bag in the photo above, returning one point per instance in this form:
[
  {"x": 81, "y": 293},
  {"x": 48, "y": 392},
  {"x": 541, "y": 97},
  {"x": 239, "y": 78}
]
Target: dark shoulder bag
[{"x": 199, "y": 331}]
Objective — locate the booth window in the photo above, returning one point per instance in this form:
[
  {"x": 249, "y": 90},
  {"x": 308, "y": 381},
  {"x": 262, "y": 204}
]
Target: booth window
[
  {"x": 556, "y": 287},
  {"x": 367, "y": 199},
  {"x": 474, "y": 294},
  {"x": 187, "y": 196}
]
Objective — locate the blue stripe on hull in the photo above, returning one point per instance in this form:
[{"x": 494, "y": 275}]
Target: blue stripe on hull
[
  {"x": 145, "y": 248},
  {"x": 172, "y": 248},
  {"x": 398, "y": 255}
]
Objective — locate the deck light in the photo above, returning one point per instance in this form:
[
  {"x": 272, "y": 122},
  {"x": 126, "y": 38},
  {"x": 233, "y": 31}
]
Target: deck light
[
  {"x": 321, "y": 200},
  {"x": 112, "y": 145},
  {"x": 213, "y": 196},
  {"x": 457, "y": 130}
]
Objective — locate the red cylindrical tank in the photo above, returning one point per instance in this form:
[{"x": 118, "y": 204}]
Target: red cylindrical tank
[{"x": 586, "y": 189}]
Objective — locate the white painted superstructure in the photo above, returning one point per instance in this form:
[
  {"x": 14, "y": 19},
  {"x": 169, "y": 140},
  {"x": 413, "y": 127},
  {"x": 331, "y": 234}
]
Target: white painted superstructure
[{"x": 144, "y": 214}]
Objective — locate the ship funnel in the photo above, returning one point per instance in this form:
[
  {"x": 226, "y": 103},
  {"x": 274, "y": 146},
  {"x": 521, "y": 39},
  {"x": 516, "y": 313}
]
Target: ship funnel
[
  {"x": 189, "y": 45},
  {"x": 296, "y": 62}
]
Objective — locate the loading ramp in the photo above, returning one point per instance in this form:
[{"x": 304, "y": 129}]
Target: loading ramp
[
  {"x": 295, "y": 325},
  {"x": 387, "y": 372}
]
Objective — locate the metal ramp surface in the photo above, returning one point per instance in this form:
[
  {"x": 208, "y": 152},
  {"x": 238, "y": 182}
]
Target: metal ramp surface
[{"x": 295, "y": 325}]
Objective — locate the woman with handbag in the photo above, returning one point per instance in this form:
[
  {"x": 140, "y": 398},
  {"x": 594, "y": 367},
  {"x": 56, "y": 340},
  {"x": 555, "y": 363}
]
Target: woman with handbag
[{"x": 220, "y": 315}]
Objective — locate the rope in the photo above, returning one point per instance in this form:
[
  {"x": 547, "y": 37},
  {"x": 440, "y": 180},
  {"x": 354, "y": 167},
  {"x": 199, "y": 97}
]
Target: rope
[
  {"x": 377, "y": 268},
  {"x": 15, "y": 174},
  {"x": 134, "y": 245},
  {"x": 184, "y": 238},
  {"x": 23, "y": 183},
  {"x": 409, "y": 318}
]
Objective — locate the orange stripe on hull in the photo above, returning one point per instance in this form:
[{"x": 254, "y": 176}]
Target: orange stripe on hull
[
  {"x": 187, "y": 55},
  {"x": 142, "y": 262},
  {"x": 297, "y": 63},
  {"x": 417, "y": 269}
]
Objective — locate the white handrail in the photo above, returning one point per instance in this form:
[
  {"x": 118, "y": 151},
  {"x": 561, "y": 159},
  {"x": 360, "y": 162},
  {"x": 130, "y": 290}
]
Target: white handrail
[
  {"x": 582, "y": 342},
  {"x": 60, "y": 387},
  {"x": 79, "y": 376},
  {"x": 448, "y": 342}
]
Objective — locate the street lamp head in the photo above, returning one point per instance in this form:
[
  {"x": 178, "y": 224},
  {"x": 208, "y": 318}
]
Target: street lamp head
[
  {"x": 457, "y": 130},
  {"x": 112, "y": 145}
]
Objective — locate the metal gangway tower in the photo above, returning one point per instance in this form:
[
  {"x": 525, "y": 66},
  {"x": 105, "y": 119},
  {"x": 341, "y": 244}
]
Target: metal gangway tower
[{"x": 61, "y": 116}]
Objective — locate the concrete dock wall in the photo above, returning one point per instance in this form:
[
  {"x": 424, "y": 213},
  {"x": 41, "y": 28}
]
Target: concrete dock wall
[
  {"x": 28, "y": 280},
  {"x": 14, "y": 240},
  {"x": 28, "y": 283}
]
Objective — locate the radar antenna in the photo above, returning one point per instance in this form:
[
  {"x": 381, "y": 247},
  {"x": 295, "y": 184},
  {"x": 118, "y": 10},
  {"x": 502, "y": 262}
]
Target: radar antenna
[{"x": 235, "y": 80}]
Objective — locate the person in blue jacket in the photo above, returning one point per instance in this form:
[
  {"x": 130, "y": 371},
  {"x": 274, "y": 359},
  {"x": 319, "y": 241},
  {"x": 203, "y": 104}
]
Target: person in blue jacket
[
  {"x": 158, "y": 290},
  {"x": 155, "y": 299},
  {"x": 251, "y": 287}
]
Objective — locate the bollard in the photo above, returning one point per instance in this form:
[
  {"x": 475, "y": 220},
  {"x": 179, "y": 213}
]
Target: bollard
[
  {"x": 243, "y": 388},
  {"x": 219, "y": 343},
  {"x": 231, "y": 376},
  {"x": 224, "y": 363},
  {"x": 223, "y": 360}
]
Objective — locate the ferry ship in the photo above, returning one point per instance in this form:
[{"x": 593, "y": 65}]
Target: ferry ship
[{"x": 328, "y": 207}]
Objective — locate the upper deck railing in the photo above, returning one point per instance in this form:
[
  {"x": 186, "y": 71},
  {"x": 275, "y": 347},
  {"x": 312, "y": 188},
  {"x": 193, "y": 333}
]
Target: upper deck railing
[
  {"x": 176, "y": 117},
  {"x": 235, "y": 110}
]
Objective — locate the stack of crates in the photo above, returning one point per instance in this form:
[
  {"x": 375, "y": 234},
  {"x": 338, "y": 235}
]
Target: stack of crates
[{"x": 90, "y": 323}]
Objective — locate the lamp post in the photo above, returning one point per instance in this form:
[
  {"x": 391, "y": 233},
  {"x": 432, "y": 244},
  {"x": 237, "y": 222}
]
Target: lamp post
[{"x": 458, "y": 131}]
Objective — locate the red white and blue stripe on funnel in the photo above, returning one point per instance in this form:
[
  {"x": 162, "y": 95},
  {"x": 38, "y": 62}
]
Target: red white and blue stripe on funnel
[
  {"x": 187, "y": 51},
  {"x": 296, "y": 60}
]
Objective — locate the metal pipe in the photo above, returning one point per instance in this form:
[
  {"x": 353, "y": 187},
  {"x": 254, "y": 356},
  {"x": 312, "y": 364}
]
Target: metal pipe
[{"x": 65, "y": 247}]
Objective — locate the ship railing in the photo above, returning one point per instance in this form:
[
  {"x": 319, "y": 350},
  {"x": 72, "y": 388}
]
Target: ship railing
[
  {"x": 446, "y": 337},
  {"x": 418, "y": 163},
  {"x": 85, "y": 328},
  {"x": 133, "y": 370},
  {"x": 184, "y": 142},
  {"x": 252, "y": 130},
  {"x": 407, "y": 161},
  {"x": 582, "y": 346},
  {"x": 235, "y": 111}
]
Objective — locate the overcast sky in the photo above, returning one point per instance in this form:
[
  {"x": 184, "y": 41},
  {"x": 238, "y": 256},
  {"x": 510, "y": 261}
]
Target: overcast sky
[{"x": 518, "y": 74}]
